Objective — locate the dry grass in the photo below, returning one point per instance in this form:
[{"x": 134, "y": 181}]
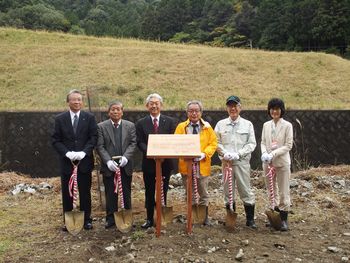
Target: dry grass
[{"x": 38, "y": 68}]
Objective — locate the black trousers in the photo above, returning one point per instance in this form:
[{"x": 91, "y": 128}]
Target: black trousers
[
  {"x": 149, "y": 180},
  {"x": 112, "y": 197},
  {"x": 84, "y": 187}
]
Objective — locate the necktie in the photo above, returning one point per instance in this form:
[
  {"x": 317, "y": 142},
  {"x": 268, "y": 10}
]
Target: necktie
[
  {"x": 195, "y": 128},
  {"x": 75, "y": 123},
  {"x": 116, "y": 125},
  {"x": 155, "y": 125}
]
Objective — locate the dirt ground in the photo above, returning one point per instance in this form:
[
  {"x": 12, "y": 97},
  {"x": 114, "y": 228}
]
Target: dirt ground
[{"x": 30, "y": 226}]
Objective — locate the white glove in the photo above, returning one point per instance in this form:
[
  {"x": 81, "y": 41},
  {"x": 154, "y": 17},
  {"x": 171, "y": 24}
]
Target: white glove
[
  {"x": 123, "y": 161},
  {"x": 198, "y": 159},
  {"x": 234, "y": 156},
  {"x": 231, "y": 156},
  {"x": 270, "y": 157},
  {"x": 71, "y": 155},
  {"x": 79, "y": 155},
  {"x": 112, "y": 165},
  {"x": 227, "y": 156},
  {"x": 265, "y": 157}
]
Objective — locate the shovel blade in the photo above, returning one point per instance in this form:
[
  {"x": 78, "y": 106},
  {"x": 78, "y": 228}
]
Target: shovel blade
[
  {"x": 274, "y": 219},
  {"x": 198, "y": 213},
  {"x": 167, "y": 215},
  {"x": 74, "y": 221},
  {"x": 123, "y": 220},
  {"x": 231, "y": 219}
]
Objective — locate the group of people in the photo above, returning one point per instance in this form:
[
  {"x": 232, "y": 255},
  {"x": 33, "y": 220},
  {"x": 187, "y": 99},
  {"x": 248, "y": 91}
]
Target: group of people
[{"x": 76, "y": 134}]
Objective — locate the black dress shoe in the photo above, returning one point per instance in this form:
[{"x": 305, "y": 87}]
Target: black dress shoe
[
  {"x": 147, "y": 224},
  {"x": 109, "y": 224},
  {"x": 88, "y": 226},
  {"x": 64, "y": 229}
]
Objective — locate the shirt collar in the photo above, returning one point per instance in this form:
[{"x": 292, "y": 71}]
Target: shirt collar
[
  {"x": 118, "y": 123},
  {"x": 234, "y": 122},
  {"x": 152, "y": 118},
  {"x": 74, "y": 113}
]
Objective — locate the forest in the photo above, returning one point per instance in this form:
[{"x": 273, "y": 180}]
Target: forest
[{"x": 278, "y": 25}]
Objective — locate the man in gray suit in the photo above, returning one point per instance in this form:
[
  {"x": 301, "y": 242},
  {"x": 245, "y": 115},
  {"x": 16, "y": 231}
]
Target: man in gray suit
[{"x": 116, "y": 137}]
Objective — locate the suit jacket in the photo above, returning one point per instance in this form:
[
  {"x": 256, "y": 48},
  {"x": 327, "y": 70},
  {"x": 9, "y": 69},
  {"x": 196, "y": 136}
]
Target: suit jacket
[
  {"x": 64, "y": 140},
  {"x": 144, "y": 127},
  {"x": 284, "y": 138},
  {"x": 106, "y": 144}
]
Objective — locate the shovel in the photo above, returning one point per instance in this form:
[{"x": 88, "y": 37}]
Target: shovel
[
  {"x": 167, "y": 211},
  {"x": 123, "y": 218},
  {"x": 273, "y": 216},
  {"x": 74, "y": 219},
  {"x": 231, "y": 216},
  {"x": 198, "y": 211}
]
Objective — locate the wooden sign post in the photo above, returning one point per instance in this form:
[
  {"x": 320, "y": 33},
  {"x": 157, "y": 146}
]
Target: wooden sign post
[{"x": 162, "y": 146}]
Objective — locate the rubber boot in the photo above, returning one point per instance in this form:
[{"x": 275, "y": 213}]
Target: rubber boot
[
  {"x": 249, "y": 211},
  {"x": 284, "y": 219},
  {"x": 206, "y": 220}
]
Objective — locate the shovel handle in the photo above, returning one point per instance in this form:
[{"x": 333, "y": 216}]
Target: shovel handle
[
  {"x": 73, "y": 184},
  {"x": 117, "y": 158},
  {"x": 120, "y": 188},
  {"x": 75, "y": 163},
  {"x": 195, "y": 182},
  {"x": 228, "y": 171},
  {"x": 270, "y": 174}
]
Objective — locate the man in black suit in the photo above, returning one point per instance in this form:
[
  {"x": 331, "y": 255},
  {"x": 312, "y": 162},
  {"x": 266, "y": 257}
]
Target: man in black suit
[
  {"x": 116, "y": 137},
  {"x": 74, "y": 138},
  {"x": 155, "y": 123}
]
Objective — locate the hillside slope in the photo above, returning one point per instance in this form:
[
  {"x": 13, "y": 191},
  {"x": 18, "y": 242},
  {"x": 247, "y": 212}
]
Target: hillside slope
[{"x": 38, "y": 68}]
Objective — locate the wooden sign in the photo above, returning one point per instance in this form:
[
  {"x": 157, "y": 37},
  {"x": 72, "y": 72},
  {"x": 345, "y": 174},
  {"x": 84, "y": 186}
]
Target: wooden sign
[{"x": 173, "y": 145}]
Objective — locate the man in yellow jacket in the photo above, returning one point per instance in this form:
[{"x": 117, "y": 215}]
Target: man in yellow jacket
[{"x": 208, "y": 143}]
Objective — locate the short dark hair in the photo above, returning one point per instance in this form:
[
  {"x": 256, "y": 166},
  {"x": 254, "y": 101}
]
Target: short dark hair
[
  {"x": 276, "y": 103},
  {"x": 71, "y": 92}
]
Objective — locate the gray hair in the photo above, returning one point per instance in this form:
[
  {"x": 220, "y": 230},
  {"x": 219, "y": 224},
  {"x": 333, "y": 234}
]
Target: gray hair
[
  {"x": 154, "y": 95},
  {"x": 197, "y": 102},
  {"x": 71, "y": 92},
  {"x": 115, "y": 102}
]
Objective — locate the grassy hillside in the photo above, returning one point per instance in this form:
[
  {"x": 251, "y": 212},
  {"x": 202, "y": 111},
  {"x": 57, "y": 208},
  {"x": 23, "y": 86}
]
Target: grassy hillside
[{"x": 38, "y": 68}]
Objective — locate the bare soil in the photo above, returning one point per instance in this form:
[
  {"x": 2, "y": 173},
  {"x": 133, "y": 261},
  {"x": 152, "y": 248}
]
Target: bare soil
[{"x": 30, "y": 226}]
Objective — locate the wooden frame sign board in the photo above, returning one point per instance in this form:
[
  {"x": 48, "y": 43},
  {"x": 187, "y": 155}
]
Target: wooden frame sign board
[
  {"x": 173, "y": 145},
  {"x": 162, "y": 146}
]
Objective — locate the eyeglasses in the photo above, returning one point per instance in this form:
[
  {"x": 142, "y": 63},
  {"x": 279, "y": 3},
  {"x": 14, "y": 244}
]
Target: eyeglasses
[
  {"x": 234, "y": 105},
  {"x": 193, "y": 111}
]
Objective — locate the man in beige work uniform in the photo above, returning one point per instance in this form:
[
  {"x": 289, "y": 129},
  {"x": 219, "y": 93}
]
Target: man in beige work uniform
[{"x": 236, "y": 142}]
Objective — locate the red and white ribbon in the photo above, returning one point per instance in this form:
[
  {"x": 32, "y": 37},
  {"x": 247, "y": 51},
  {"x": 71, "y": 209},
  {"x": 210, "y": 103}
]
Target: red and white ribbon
[
  {"x": 195, "y": 175},
  {"x": 73, "y": 186},
  {"x": 162, "y": 191},
  {"x": 118, "y": 186},
  {"x": 228, "y": 177},
  {"x": 270, "y": 175}
]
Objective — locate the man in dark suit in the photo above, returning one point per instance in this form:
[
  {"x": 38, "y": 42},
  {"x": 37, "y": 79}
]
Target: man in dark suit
[
  {"x": 74, "y": 138},
  {"x": 116, "y": 137},
  {"x": 153, "y": 124}
]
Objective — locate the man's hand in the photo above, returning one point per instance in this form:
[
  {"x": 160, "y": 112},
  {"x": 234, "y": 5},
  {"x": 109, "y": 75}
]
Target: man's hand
[
  {"x": 234, "y": 156},
  {"x": 71, "y": 155},
  {"x": 227, "y": 156},
  {"x": 123, "y": 161},
  {"x": 80, "y": 155},
  {"x": 198, "y": 159},
  {"x": 231, "y": 156},
  {"x": 112, "y": 165}
]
